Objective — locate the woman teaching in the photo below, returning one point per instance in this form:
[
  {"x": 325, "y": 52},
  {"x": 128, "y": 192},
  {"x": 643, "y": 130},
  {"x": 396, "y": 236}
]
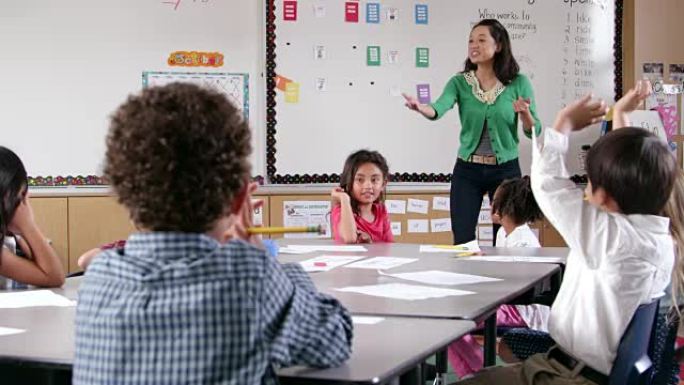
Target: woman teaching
[{"x": 491, "y": 95}]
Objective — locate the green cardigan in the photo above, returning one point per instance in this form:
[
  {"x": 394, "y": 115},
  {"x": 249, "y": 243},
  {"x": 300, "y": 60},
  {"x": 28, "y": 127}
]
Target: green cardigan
[{"x": 502, "y": 121}]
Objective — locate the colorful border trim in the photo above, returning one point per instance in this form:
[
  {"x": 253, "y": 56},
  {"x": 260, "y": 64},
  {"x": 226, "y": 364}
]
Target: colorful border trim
[
  {"x": 86, "y": 181},
  {"x": 271, "y": 121}
]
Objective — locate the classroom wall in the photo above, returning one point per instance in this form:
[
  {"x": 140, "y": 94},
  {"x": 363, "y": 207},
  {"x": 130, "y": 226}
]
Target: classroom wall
[{"x": 658, "y": 30}]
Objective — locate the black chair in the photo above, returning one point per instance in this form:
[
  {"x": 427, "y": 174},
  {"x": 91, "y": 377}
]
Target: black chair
[{"x": 632, "y": 365}]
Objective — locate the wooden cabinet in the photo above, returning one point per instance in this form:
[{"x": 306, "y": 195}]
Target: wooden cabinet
[
  {"x": 51, "y": 217},
  {"x": 94, "y": 221}
]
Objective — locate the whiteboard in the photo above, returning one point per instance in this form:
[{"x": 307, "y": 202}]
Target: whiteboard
[
  {"x": 68, "y": 64},
  {"x": 565, "y": 47}
]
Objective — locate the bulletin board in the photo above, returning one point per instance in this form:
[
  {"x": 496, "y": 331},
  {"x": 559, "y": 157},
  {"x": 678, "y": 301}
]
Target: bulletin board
[{"x": 336, "y": 71}]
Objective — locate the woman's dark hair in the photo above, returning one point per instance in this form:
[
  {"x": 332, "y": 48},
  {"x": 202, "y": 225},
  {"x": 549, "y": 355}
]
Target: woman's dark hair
[
  {"x": 635, "y": 168},
  {"x": 515, "y": 200},
  {"x": 13, "y": 180},
  {"x": 352, "y": 164},
  {"x": 506, "y": 67}
]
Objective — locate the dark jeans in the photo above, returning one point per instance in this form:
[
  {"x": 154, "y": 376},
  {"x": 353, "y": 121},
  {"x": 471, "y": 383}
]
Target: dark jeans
[{"x": 470, "y": 181}]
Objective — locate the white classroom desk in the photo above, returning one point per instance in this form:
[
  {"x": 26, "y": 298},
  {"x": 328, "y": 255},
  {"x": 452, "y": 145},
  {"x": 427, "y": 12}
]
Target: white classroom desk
[{"x": 377, "y": 356}]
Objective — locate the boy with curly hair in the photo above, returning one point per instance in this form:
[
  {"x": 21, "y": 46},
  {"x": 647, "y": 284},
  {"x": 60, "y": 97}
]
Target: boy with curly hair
[{"x": 192, "y": 298}]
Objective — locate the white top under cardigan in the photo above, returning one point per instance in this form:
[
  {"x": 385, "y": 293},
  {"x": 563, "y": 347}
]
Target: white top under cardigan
[{"x": 616, "y": 262}]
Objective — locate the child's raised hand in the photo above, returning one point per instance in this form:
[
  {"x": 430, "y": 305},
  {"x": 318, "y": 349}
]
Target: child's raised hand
[
  {"x": 412, "y": 102},
  {"x": 634, "y": 97},
  {"x": 23, "y": 218},
  {"x": 579, "y": 114},
  {"x": 338, "y": 195}
]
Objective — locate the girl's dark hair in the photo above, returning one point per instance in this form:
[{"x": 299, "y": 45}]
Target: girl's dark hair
[
  {"x": 635, "y": 168},
  {"x": 352, "y": 164},
  {"x": 514, "y": 199},
  {"x": 13, "y": 180},
  {"x": 506, "y": 67}
]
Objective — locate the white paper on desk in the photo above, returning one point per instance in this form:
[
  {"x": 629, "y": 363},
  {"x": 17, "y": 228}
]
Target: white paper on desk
[
  {"x": 470, "y": 247},
  {"x": 10, "y": 331},
  {"x": 436, "y": 277},
  {"x": 327, "y": 262},
  {"x": 364, "y": 320},
  {"x": 395, "y": 206},
  {"x": 33, "y": 298},
  {"x": 440, "y": 225},
  {"x": 417, "y": 206},
  {"x": 441, "y": 203},
  {"x": 381, "y": 263},
  {"x": 327, "y": 248},
  {"x": 404, "y": 291},
  {"x": 287, "y": 250},
  {"x": 417, "y": 226},
  {"x": 513, "y": 258}
]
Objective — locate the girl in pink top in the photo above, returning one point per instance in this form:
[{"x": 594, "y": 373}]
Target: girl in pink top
[{"x": 358, "y": 213}]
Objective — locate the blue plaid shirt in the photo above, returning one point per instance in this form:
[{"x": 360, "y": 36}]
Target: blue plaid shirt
[{"x": 174, "y": 308}]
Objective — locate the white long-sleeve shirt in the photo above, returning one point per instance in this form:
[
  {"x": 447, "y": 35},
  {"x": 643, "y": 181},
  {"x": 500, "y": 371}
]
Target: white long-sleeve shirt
[{"x": 616, "y": 262}]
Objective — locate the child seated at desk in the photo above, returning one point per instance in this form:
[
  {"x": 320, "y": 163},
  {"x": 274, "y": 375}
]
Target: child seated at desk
[
  {"x": 621, "y": 251},
  {"x": 359, "y": 214},
  {"x": 26, "y": 257},
  {"x": 192, "y": 298},
  {"x": 513, "y": 207}
]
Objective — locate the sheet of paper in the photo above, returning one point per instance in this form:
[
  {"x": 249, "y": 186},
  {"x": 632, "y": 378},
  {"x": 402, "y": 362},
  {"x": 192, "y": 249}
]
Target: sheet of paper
[
  {"x": 440, "y": 225},
  {"x": 486, "y": 242},
  {"x": 396, "y": 228},
  {"x": 327, "y": 262},
  {"x": 33, "y": 298},
  {"x": 327, "y": 248},
  {"x": 393, "y": 56},
  {"x": 365, "y": 320},
  {"x": 404, "y": 291},
  {"x": 485, "y": 217},
  {"x": 292, "y": 92},
  {"x": 319, "y": 10},
  {"x": 287, "y": 250},
  {"x": 258, "y": 216},
  {"x": 437, "y": 277},
  {"x": 417, "y": 226},
  {"x": 320, "y": 52},
  {"x": 395, "y": 206},
  {"x": 381, "y": 263},
  {"x": 471, "y": 246},
  {"x": 486, "y": 204},
  {"x": 10, "y": 331},
  {"x": 441, "y": 204},
  {"x": 307, "y": 213},
  {"x": 485, "y": 232},
  {"x": 511, "y": 258},
  {"x": 417, "y": 206}
]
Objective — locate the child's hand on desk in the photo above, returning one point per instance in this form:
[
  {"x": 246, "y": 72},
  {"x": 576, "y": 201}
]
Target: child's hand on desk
[
  {"x": 339, "y": 196},
  {"x": 362, "y": 237},
  {"x": 579, "y": 114},
  {"x": 242, "y": 220}
]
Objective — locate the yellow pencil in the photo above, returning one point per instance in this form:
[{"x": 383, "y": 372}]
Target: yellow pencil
[
  {"x": 450, "y": 247},
  {"x": 281, "y": 230}
]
